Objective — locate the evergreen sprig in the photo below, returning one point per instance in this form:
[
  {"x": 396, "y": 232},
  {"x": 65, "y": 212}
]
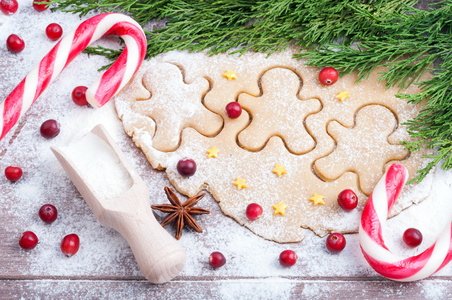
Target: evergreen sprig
[{"x": 348, "y": 35}]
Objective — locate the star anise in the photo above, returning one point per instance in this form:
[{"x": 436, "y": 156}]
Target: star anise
[{"x": 181, "y": 213}]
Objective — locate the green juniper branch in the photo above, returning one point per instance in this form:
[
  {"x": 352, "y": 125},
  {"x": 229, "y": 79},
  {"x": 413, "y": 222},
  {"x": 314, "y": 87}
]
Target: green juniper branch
[{"x": 348, "y": 35}]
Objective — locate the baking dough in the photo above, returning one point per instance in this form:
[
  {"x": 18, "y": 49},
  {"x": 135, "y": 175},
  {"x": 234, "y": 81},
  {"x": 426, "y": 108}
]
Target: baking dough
[
  {"x": 355, "y": 150},
  {"x": 175, "y": 105},
  {"x": 278, "y": 106},
  {"x": 290, "y": 119}
]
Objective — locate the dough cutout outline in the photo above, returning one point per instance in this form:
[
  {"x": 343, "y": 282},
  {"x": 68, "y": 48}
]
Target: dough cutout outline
[
  {"x": 373, "y": 126},
  {"x": 166, "y": 81},
  {"x": 294, "y": 188},
  {"x": 278, "y": 105}
]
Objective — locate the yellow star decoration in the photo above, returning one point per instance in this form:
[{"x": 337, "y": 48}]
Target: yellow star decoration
[
  {"x": 212, "y": 152},
  {"x": 240, "y": 183},
  {"x": 317, "y": 199},
  {"x": 342, "y": 95},
  {"x": 230, "y": 75},
  {"x": 279, "y": 208},
  {"x": 279, "y": 170}
]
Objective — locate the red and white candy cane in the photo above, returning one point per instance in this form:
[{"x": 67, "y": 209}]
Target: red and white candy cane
[
  {"x": 31, "y": 87},
  {"x": 371, "y": 240}
]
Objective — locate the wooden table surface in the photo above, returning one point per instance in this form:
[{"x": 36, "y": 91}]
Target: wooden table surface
[{"x": 104, "y": 268}]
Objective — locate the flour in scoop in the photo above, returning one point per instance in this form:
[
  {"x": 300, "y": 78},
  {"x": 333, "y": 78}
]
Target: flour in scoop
[{"x": 99, "y": 166}]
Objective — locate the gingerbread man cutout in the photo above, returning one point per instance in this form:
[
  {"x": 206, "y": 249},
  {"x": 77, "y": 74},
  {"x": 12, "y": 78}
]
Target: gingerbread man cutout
[
  {"x": 175, "y": 105},
  {"x": 278, "y": 112},
  {"x": 363, "y": 149}
]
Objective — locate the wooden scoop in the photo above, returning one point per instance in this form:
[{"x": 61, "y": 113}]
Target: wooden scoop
[{"x": 158, "y": 254}]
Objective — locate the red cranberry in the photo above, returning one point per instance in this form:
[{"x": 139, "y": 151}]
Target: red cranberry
[
  {"x": 28, "y": 240},
  {"x": 347, "y": 199},
  {"x": 50, "y": 129},
  {"x": 41, "y": 7},
  {"x": 54, "y": 31},
  {"x": 9, "y": 7},
  {"x": 186, "y": 167},
  {"x": 335, "y": 242},
  {"x": 48, "y": 213},
  {"x": 328, "y": 76},
  {"x": 70, "y": 244},
  {"x": 288, "y": 258},
  {"x": 15, "y": 44},
  {"x": 79, "y": 95},
  {"x": 233, "y": 110},
  {"x": 13, "y": 173},
  {"x": 253, "y": 211},
  {"x": 217, "y": 259},
  {"x": 412, "y": 237}
]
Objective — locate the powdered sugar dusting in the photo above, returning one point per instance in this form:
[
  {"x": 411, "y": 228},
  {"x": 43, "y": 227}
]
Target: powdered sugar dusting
[
  {"x": 277, "y": 288},
  {"x": 98, "y": 165},
  {"x": 174, "y": 105},
  {"x": 252, "y": 270},
  {"x": 434, "y": 290},
  {"x": 301, "y": 128}
]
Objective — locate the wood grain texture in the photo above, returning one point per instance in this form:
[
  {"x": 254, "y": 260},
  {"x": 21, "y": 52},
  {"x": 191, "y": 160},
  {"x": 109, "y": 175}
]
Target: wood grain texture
[
  {"x": 118, "y": 276},
  {"x": 221, "y": 289},
  {"x": 158, "y": 254}
]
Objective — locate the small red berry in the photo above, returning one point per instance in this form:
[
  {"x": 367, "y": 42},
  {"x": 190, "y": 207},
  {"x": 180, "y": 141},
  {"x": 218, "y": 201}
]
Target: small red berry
[
  {"x": 217, "y": 259},
  {"x": 54, "y": 31},
  {"x": 254, "y": 211},
  {"x": 412, "y": 237},
  {"x": 347, "y": 199},
  {"x": 233, "y": 110},
  {"x": 50, "y": 129},
  {"x": 335, "y": 242},
  {"x": 79, "y": 95},
  {"x": 186, "y": 167},
  {"x": 48, "y": 213},
  {"x": 288, "y": 258},
  {"x": 13, "y": 173},
  {"x": 9, "y": 7},
  {"x": 41, "y": 7},
  {"x": 328, "y": 76},
  {"x": 15, "y": 44},
  {"x": 28, "y": 240},
  {"x": 70, "y": 244}
]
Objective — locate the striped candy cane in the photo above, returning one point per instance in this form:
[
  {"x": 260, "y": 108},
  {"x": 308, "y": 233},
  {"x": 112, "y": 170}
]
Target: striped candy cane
[
  {"x": 371, "y": 240},
  {"x": 31, "y": 87}
]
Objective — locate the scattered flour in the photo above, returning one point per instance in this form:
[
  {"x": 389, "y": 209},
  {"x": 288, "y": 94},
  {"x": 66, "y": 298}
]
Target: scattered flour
[
  {"x": 104, "y": 253},
  {"x": 99, "y": 166},
  {"x": 434, "y": 290}
]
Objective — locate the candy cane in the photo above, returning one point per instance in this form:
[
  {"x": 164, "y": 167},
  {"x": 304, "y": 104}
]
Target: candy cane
[
  {"x": 371, "y": 240},
  {"x": 31, "y": 87}
]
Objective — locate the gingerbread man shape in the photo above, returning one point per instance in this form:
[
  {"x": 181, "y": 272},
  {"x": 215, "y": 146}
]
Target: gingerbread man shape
[
  {"x": 363, "y": 149},
  {"x": 175, "y": 105},
  {"x": 278, "y": 112}
]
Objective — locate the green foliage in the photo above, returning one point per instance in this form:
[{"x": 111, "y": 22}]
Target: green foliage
[{"x": 348, "y": 35}]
